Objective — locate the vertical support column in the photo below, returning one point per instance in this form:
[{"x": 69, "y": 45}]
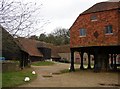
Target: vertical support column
[
  {"x": 22, "y": 59},
  {"x": 112, "y": 61},
  {"x": 96, "y": 68},
  {"x": 107, "y": 67},
  {"x": 101, "y": 59},
  {"x": 26, "y": 59},
  {"x": 115, "y": 66},
  {"x": 72, "y": 61},
  {"x": 81, "y": 55},
  {"x": 89, "y": 64}
]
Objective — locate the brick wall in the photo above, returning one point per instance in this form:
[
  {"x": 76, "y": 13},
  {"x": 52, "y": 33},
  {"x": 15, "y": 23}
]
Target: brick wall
[
  {"x": 119, "y": 26},
  {"x": 95, "y": 27}
]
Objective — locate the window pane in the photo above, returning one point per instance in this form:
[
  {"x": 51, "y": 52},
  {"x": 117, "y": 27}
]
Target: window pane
[
  {"x": 82, "y": 32},
  {"x": 108, "y": 29},
  {"x": 93, "y": 17}
]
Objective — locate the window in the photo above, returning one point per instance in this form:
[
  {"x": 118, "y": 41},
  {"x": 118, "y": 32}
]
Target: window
[
  {"x": 82, "y": 32},
  {"x": 108, "y": 29},
  {"x": 93, "y": 18}
]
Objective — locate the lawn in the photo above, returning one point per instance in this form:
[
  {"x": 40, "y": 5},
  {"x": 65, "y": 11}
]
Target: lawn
[
  {"x": 12, "y": 79},
  {"x": 43, "y": 63}
]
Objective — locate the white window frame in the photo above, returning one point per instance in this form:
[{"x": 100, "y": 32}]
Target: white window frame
[
  {"x": 82, "y": 32},
  {"x": 108, "y": 30}
]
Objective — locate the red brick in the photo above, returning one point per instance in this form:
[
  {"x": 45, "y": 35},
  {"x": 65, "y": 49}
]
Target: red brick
[{"x": 104, "y": 18}]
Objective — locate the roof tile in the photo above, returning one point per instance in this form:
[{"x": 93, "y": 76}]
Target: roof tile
[{"x": 102, "y": 6}]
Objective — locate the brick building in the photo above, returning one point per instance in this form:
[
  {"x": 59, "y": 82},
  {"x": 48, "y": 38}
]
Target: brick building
[{"x": 96, "y": 31}]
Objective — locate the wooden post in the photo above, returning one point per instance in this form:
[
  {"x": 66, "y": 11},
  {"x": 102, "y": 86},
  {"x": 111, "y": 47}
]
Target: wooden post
[
  {"x": 112, "y": 61},
  {"x": 89, "y": 64},
  {"x": 115, "y": 66},
  {"x": 22, "y": 60},
  {"x": 81, "y": 54},
  {"x": 96, "y": 65},
  {"x": 107, "y": 67},
  {"x": 72, "y": 61}
]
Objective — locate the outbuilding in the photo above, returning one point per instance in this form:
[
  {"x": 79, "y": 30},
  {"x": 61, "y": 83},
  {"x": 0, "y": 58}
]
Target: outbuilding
[{"x": 96, "y": 32}]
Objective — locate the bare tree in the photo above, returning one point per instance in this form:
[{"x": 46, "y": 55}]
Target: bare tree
[
  {"x": 61, "y": 32},
  {"x": 62, "y": 36},
  {"x": 21, "y": 19}
]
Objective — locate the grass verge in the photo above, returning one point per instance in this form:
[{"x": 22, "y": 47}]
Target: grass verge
[
  {"x": 67, "y": 70},
  {"x": 43, "y": 63},
  {"x": 12, "y": 79}
]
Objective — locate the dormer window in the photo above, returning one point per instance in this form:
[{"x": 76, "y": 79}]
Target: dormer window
[
  {"x": 93, "y": 18},
  {"x": 82, "y": 32},
  {"x": 108, "y": 29}
]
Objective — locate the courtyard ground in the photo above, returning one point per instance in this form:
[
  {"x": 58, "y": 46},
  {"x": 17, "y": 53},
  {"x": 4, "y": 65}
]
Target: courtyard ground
[{"x": 50, "y": 76}]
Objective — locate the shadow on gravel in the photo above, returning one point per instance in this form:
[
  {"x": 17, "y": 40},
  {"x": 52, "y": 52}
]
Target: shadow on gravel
[{"x": 114, "y": 85}]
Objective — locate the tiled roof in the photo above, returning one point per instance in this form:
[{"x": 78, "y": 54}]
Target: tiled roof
[
  {"x": 102, "y": 6},
  {"x": 54, "y": 49},
  {"x": 60, "y": 49},
  {"x": 54, "y": 52},
  {"x": 30, "y": 46},
  {"x": 63, "y": 49},
  {"x": 8, "y": 46},
  {"x": 43, "y": 44}
]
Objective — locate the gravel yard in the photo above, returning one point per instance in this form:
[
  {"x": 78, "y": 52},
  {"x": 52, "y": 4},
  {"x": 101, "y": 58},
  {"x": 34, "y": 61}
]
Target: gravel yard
[{"x": 50, "y": 76}]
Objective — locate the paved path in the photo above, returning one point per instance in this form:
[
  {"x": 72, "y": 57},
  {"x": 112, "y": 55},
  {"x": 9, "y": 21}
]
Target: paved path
[{"x": 82, "y": 78}]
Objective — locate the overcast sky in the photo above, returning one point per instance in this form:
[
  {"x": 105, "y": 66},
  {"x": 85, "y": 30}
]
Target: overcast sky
[{"x": 62, "y": 13}]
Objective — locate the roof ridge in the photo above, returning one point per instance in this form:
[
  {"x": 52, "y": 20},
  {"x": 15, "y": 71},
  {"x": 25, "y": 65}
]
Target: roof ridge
[
  {"x": 101, "y": 6},
  {"x": 113, "y": 1}
]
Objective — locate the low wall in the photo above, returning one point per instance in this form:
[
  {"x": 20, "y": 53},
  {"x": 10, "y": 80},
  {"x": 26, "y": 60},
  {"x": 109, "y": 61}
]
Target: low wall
[{"x": 10, "y": 66}]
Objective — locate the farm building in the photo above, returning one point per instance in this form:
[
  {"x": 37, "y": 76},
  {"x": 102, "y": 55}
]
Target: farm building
[
  {"x": 64, "y": 52},
  {"x": 26, "y": 50},
  {"x": 38, "y": 51},
  {"x": 30, "y": 47},
  {"x": 96, "y": 32},
  {"x": 10, "y": 50}
]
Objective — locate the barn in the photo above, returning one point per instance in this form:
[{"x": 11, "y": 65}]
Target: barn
[
  {"x": 96, "y": 32},
  {"x": 9, "y": 49},
  {"x": 38, "y": 50}
]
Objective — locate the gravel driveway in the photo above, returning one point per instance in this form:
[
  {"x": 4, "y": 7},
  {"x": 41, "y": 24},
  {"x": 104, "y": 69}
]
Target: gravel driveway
[{"x": 49, "y": 76}]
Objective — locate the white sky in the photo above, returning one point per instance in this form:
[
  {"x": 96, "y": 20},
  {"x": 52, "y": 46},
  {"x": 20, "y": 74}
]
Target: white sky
[{"x": 62, "y": 13}]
